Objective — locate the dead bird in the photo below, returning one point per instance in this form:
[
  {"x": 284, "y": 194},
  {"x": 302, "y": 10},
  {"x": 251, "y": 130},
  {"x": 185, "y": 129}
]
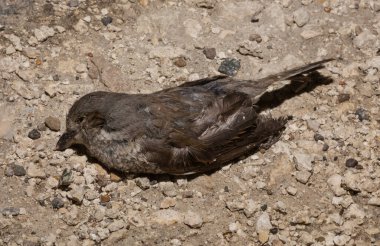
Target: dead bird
[{"x": 196, "y": 127}]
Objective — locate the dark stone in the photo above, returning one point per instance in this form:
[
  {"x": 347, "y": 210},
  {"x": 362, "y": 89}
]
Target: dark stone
[
  {"x": 264, "y": 207},
  {"x": 318, "y": 137},
  {"x": 66, "y": 178},
  {"x": 274, "y": 230},
  {"x": 34, "y": 134},
  {"x": 351, "y": 162},
  {"x": 106, "y": 20},
  {"x": 48, "y": 9},
  {"x": 57, "y": 203},
  {"x": 210, "y": 53},
  {"x": 18, "y": 170},
  {"x": 55, "y": 77},
  {"x": 229, "y": 66},
  {"x": 343, "y": 97},
  {"x": 325, "y": 147},
  {"x": 226, "y": 189},
  {"x": 359, "y": 167},
  {"x": 362, "y": 114}
]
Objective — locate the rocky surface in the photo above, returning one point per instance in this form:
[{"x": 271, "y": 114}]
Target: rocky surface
[{"x": 319, "y": 185}]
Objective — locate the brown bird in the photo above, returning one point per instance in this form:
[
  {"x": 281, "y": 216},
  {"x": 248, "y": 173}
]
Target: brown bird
[{"x": 195, "y": 127}]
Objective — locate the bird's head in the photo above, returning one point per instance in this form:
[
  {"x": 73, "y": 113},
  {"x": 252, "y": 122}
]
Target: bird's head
[{"x": 85, "y": 116}]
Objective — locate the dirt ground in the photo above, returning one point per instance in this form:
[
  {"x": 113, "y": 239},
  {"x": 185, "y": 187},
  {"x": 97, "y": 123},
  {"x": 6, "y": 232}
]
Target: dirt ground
[{"x": 318, "y": 185}]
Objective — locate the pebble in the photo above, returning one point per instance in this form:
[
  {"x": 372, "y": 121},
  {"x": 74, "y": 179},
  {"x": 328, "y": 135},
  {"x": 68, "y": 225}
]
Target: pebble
[
  {"x": 364, "y": 40},
  {"x": 53, "y": 123},
  {"x": 301, "y": 17},
  {"x": 325, "y": 147},
  {"x": 18, "y": 170},
  {"x": 180, "y": 62},
  {"x": 229, "y": 66},
  {"x": 43, "y": 33},
  {"x": 168, "y": 202},
  {"x": 35, "y": 172},
  {"x": 281, "y": 206},
  {"x": 255, "y": 37},
  {"x": 341, "y": 240},
  {"x": 57, "y": 203},
  {"x": 335, "y": 184},
  {"x": 303, "y": 161},
  {"x": 167, "y": 217},
  {"x": 374, "y": 201},
  {"x": 311, "y": 33},
  {"x": 263, "y": 226},
  {"x": 303, "y": 176},
  {"x": 76, "y": 194},
  {"x": 106, "y": 20},
  {"x": 193, "y": 220},
  {"x": 343, "y": 97},
  {"x": 10, "y": 211},
  {"x": 116, "y": 225},
  {"x": 143, "y": 183},
  {"x": 81, "y": 68},
  {"x": 210, "y": 53},
  {"x": 34, "y": 134},
  {"x": 291, "y": 190},
  {"x": 351, "y": 162},
  {"x": 362, "y": 114},
  {"x": 318, "y": 137},
  {"x": 66, "y": 178},
  {"x": 105, "y": 198}
]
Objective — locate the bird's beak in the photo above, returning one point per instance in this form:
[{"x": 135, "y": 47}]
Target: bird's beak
[{"x": 66, "y": 140}]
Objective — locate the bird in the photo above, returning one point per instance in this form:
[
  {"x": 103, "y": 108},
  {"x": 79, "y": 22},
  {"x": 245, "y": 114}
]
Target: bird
[{"x": 196, "y": 127}]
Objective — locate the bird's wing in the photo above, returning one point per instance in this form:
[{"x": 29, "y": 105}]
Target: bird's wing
[{"x": 201, "y": 137}]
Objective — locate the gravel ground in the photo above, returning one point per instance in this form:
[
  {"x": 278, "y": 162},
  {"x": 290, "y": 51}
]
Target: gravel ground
[{"x": 319, "y": 185}]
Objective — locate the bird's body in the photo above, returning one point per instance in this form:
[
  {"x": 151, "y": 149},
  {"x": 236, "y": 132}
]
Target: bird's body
[{"x": 196, "y": 127}]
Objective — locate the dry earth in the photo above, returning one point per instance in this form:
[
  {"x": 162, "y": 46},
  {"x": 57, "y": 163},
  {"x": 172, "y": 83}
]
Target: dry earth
[{"x": 319, "y": 185}]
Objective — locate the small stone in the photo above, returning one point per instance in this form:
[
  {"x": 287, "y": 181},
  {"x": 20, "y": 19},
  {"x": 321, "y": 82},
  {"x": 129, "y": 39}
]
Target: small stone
[
  {"x": 81, "y": 68},
  {"x": 303, "y": 161},
  {"x": 105, "y": 198},
  {"x": 81, "y": 26},
  {"x": 301, "y": 17},
  {"x": 66, "y": 178},
  {"x": 35, "y": 172},
  {"x": 255, "y": 37},
  {"x": 43, "y": 33},
  {"x": 168, "y": 202},
  {"x": 18, "y": 170},
  {"x": 311, "y": 33},
  {"x": 76, "y": 194},
  {"x": 291, "y": 190},
  {"x": 210, "y": 53},
  {"x": 143, "y": 183},
  {"x": 325, "y": 147},
  {"x": 57, "y": 203},
  {"x": 280, "y": 206},
  {"x": 73, "y": 3},
  {"x": 263, "y": 225},
  {"x": 53, "y": 123},
  {"x": 364, "y": 39},
  {"x": 106, "y": 20},
  {"x": 229, "y": 66},
  {"x": 116, "y": 225},
  {"x": 374, "y": 201},
  {"x": 341, "y": 240},
  {"x": 56, "y": 77},
  {"x": 343, "y": 97},
  {"x": 362, "y": 114},
  {"x": 180, "y": 62},
  {"x": 34, "y": 134},
  {"x": 318, "y": 137},
  {"x": 351, "y": 162},
  {"x": 9, "y": 172},
  {"x": 87, "y": 19},
  {"x": 193, "y": 220},
  {"x": 10, "y": 211},
  {"x": 167, "y": 217},
  {"x": 303, "y": 176},
  {"x": 114, "y": 177},
  {"x": 335, "y": 183}
]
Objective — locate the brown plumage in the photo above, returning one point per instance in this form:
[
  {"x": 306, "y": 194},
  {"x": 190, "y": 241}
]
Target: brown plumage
[{"x": 196, "y": 127}]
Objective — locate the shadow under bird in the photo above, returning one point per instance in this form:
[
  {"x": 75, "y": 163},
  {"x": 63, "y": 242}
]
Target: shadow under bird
[{"x": 196, "y": 127}]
